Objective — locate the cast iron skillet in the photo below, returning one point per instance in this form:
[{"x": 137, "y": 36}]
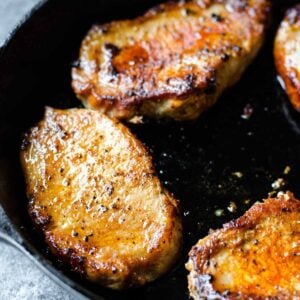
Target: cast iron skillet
[{"x": 195, "y": 160}]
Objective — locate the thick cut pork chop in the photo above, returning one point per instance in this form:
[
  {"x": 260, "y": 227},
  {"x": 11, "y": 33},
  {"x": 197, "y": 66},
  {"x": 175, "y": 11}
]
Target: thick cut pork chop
[
  {"x": 175, "y": 61},
  {"x": 287, "y": 54},
  {"x": 255, "y": 257},
  {"x": 95, "y": 196}
]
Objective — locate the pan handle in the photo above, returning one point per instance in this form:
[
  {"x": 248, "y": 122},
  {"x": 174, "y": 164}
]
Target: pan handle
[
  {"x": 6, "y": 239},
  {"x": 15, "y": 241}
]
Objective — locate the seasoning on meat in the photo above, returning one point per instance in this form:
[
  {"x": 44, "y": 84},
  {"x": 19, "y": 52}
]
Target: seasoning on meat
[
  {"x": 96, "y": 198},
  {"x": 254, "y": 257},
  {"x": 175, "y": 61}
]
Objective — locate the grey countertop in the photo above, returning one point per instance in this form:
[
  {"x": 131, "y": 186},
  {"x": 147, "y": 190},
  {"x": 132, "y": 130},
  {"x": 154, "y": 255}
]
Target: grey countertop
[{"x": 19, "y": 278}]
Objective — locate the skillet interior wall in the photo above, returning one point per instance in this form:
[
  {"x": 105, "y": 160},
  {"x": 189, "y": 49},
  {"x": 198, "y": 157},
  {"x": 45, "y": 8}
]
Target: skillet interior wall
[{"x": 194, "y": 160}]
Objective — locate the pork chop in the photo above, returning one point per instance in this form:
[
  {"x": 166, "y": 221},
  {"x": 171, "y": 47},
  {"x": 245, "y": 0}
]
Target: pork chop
[
  {"x": 175, "y": 61},
  {"x": 287, "y": 54},
  {"x": 94, "y": 195},
  {"x": 254, "y": 257}
]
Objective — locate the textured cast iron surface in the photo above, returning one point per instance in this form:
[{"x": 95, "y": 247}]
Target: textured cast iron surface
[{"x": 195, "y": 160}]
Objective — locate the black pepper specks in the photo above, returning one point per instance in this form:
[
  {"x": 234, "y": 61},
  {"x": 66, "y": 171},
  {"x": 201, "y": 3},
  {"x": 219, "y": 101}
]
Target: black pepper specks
[
  {"x": 74, "y": 233},
  {"x": 102, "y": 208},
  {"x": 189, "y": 12},
  {"x": 225, "y": 57},
  {"x": 113, "y": 49},
  {"x": 86, "y": 238},
  {"x": 216, "y": 18},
  {"x": 109, "y": 189}
]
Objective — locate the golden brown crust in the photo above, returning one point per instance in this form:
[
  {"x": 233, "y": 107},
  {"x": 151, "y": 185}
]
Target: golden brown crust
[
  {"x": 174, "y": 61},
  {"x": 255, "y": 257},
  {"x": 287, "y": 54},
  {"x": 95, "y": 196}
]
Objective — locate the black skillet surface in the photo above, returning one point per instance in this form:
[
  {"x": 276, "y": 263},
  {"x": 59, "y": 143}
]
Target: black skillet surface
[{"x": 195, "y": 160}]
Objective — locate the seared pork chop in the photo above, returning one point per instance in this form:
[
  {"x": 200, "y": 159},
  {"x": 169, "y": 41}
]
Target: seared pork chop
[
  {"x": 96, "y": 198},
  {"x": 287, "y": 54},
  {"x": 255, "y": 257},
  {"x": 175, "y": 61}
]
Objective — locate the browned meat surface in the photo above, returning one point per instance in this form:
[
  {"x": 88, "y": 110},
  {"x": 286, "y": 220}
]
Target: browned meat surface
[
  {"x": 175, "y": 61},
  {"x": 254, "y": 257},
  {"x": 287, "y": 54},
  {"x": 96, "y": 198}
]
